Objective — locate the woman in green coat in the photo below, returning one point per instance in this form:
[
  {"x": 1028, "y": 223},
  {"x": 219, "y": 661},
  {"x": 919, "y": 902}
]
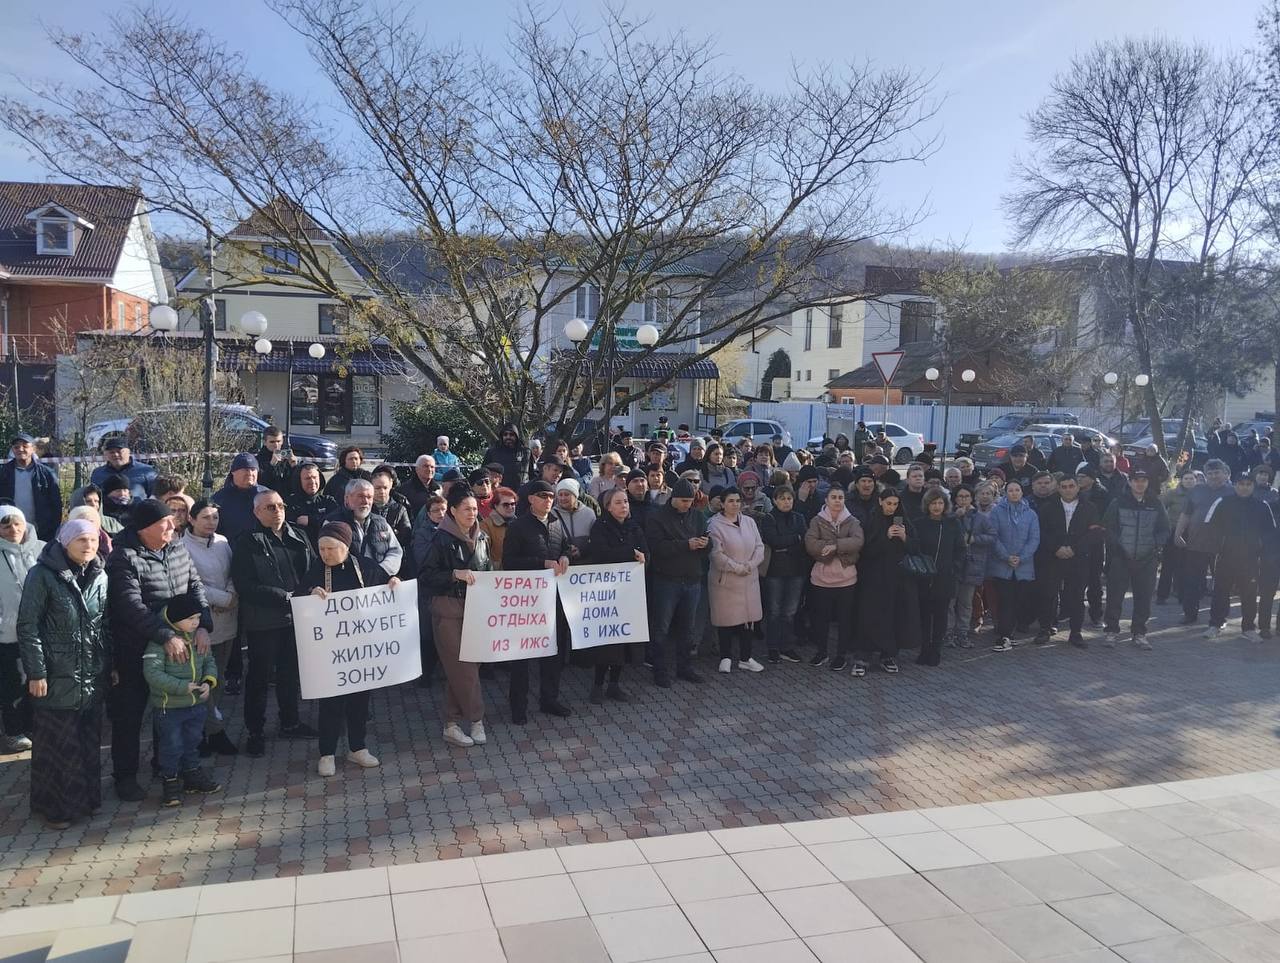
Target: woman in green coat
[{"x": 62, "y": 638}]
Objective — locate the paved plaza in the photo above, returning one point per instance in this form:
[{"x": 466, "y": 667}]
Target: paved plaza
[{"x": 793, "y": 744}]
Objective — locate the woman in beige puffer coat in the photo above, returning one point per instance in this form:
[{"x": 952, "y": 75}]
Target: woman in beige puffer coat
[{"x": 734, "y": 582}]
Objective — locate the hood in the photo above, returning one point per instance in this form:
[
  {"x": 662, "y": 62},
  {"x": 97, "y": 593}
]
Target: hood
[
  {"x": 77, "y": 497},
  {"x": 825, "y": 513},
  {"x": 447, "y": 524},
  {"x": 28, "y": 545}
]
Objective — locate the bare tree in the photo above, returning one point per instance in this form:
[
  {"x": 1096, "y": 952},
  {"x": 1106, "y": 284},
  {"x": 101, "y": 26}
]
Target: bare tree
[
  {"x": 476, "y": 197},
  {"x": 1147, "y": 151}
]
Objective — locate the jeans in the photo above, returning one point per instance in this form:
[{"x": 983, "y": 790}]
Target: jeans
[
  {"x": 271, "y": 649},
  {"x": 1123, "y": 574},
  {"x": 180, "y": 731},
  {"x": 671, "y": 609},
  {"x": 781, "y": 597},
  {"x": 1194, "y": 567},
  {"x": 1231, "y": 580},
  {"x": 827, "y": 605},
  {"x": 960, "y": 620},
  {"x": 351, "y": 709}
]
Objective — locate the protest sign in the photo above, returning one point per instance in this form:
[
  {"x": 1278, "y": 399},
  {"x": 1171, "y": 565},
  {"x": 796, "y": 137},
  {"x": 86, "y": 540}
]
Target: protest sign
[
  {"x": 604, "y": 604},
  {"x": 509, "y": 615},
  {"x": 362, "y": 639}
]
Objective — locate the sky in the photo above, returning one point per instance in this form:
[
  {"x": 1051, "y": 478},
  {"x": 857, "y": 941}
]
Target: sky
[{"x": 991, "y": 62}]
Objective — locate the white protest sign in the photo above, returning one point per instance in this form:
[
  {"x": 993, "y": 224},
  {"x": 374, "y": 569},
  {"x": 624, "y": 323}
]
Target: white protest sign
[
  {"x": 362, "y": 639},
  {"x": 509, "y": 615},
  {"x": 604, "y": 604}
]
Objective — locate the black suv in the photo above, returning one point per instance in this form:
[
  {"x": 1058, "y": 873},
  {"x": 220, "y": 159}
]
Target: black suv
[
  {"x": 158, "y": 429},
  {"x": 1012, "y": 422}
]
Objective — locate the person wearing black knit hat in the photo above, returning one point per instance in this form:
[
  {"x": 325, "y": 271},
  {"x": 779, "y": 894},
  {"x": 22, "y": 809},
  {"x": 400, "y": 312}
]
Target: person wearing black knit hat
[
  {"x": 678, "y": 542},
  {"x": 117, "y": 498}
]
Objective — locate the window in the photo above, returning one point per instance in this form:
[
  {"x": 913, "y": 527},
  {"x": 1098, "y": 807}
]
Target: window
[
  {"x": 586, "y": 302},
  {"x": 657, "y": 308},
  {"x": 834, "y": 321},
  {"x": 808, "y": 329},
  {"x": 916, "y": 322},
  {"x": 137, "y": 316},
  {"x": 304, "y": 400},
  {"x": 333, "y": 317},
  {"x": 365, "y": 409},
  {"x": 120, "y": 313},
  {"x": 808, "y": 374},
  {"x": 220, "y": 315},
  {"x": 833, "y": 373},
  {"x": 278, "y": 260},
  {"x": 54, "y": 236}
]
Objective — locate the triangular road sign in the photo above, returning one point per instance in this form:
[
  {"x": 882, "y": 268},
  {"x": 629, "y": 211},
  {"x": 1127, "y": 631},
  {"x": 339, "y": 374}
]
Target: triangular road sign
[{"x": 887, "y": 362}]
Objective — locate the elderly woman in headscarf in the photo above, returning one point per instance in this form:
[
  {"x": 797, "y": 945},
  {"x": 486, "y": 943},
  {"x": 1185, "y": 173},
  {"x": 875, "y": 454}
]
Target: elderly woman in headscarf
[
  {"x": 62, "y": 638},
  {"x": 19, "y": 549},
  {"x": 93, "y": 516},
  {"x": 573, "y": 518},
  {"x": 338, "y": 570}
]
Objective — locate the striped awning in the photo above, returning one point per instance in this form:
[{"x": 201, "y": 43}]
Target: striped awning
[{"x": 661, "y": 364}]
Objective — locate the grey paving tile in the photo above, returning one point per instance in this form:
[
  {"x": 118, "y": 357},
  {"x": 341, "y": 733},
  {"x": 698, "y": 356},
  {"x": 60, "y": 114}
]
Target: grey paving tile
[
  {"x": 92, "y": 944},
  {"x": 553, "y": 942},
  {"x": 28, "y": 948},
  {"x": 1133, "y": 826},
  {"x": 737, "y": 921},
  {"x": 1251, "y": 849},
  {"x": 1036, "y": 932},
  {"x": 158, "y": 941},
  {"x": 366, "y": 953},
  {"x": 1113, "y": 919},
  {"x": 1053, "y": 878},
  {"x": 1124, "y": 868},
  {"x": 478, "y": 946},
  {"x": 1168, "y": 949},
  {"x": 954, "y": 939},
  {"x": 1247, "y": 943},
  {"x": 1189, "y": 858},
  {"x": 647, "y": 934},
  {"x": 982, "y": 889},
  {"x": 879, "y": 944},
  {"x": 900, "y": 899},
  {"x": 1250, "y": 893},
  {"x": 1186, "y": 907},
  {"x": 1193, "y": 819},
  {"x": 819, "y": 910}
]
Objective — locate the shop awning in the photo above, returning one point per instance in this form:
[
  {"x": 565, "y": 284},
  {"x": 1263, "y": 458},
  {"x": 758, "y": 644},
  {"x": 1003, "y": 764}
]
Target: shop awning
[
  {"x": 375, "y": 360},
  {"x": 660, "y": 364}
]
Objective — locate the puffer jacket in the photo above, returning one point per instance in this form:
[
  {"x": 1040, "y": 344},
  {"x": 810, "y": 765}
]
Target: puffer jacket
[
  {"x": 734, "y": 582},
  {"x": 783, "y": 534},
  {"x": 16, "y": 560},
  {"x": 140, "y": 582},
  {"x": 575, "y": 528},
  {"x": 235, "y": 509},
  {"x": 845, "y": 533},
  {"x": 375, "y": 540},
  {"x": 168, "y": 680},
  {"x": 314, "y": 508},
  {"x": 1017, "y": 533},
  {"x": 978, "y": 532},
  {"x": 212, "y": 559},
  {"x": 452, "y": 549},
  {"x": 63, "y": 634},
  {"x": 1136, "y": 529}
]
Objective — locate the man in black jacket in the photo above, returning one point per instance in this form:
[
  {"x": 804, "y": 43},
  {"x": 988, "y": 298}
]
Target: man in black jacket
[
  {"x": 532, "y": 545},
  {"x": 1066, "y": 458},
  {"x": 1137, "y": 528},
  {"x": 1070, "y": 532},
  {"x": 267, "y": 563},
  {"x": 677, "y": 544},
  {"x": 1017, "y": 468},
  {"x": 421, "y": 485},
  {"x": 31, "y": 486},
  {"x": 697, "y": 460},
  {"x": 308, "y": 505},
  {"x": 510, "y": 454},
  {"x": 624, "y": 448},
  {"x": 275, "y": 471},
  {"x": 236, "y": 497},
  {"x": 147, "y": 569},
  {"x": 1243, "y": 524}
]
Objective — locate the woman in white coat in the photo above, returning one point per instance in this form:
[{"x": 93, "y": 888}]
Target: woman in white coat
[
  {"x": 19, "y": 549},
  {"x": 211, "y": 555},
  {"x": 734, "y": 583}
]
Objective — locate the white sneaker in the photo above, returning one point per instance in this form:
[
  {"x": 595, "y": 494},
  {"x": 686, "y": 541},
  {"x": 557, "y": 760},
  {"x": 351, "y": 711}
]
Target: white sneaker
[
  {"x": 363, "y": 758},
  {"x": 326, "y": 767},
  {"x": 477, "y": 733},
  {"x": 1141, "y": 642},
  {"x": 726, "y": 665},
  {"x": 1249, "y": 635},
  {"x": 1004, "y": 645},
  {"x": 751, "y": 665},
  {"x": 1110, "y": 639},
  {"x": 1212, "y": 632},
  {"x": 454, "y": 735}
]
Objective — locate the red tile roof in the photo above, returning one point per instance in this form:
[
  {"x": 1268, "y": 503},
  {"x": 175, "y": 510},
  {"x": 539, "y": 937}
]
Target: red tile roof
[{"x": 109, "y": 209}]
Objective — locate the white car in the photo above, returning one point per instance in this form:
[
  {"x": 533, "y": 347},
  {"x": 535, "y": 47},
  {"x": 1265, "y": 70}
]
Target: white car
[
  {"x": 760, "y": 431},
  {"x": 99, "y": 432},
  {"x": 906, "y": 444}
]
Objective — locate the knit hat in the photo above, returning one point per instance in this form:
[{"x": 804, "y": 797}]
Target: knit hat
[
  {"x": 806, "y": 473},
  {"x": 114, "y": 483},
  {"x": 73, "y": 529},
  {"x": 452, "y": 475},
  {"x": 682, "y": 489},
  {"x": 478, "y": 476},
  {"x": 569, "y": 485},
  {"x": 149, "y": 511},
  {"x": 339, "y": 531},
  {"x": 181, "y": 607},
  {"x": 539, "y": 488},
  {"x": 749, "y": 476},
  {"x": 244, "y": 460},
  {"x": 7, "y": 510}
]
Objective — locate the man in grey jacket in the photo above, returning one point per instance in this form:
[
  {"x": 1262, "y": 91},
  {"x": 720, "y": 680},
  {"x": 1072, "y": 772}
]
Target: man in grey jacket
[
  {"x": 371, "y": 534},
  {"x": 147, "y": 569}
]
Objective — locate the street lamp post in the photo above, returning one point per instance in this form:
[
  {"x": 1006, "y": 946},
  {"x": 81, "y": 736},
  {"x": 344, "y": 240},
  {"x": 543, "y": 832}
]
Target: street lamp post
[
  {"x": 1139, "y": 380},
  {"x": 933, "y": 374}
]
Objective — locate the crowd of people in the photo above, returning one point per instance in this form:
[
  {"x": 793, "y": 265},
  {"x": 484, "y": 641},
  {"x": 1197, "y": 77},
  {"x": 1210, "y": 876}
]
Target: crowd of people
[{"x": 142, "y": 599}]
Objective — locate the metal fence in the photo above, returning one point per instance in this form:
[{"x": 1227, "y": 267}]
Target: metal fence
[{"x": 807, "y": 420}]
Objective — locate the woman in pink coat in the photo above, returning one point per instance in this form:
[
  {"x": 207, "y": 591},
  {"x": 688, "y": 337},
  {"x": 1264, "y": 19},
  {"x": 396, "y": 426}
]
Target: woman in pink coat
[{"x": 734, "y": 582}]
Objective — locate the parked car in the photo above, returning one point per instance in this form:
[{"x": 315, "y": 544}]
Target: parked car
[
  {"x": 1260, "y": 425},
  {"x": 760, "y": 431},
  {"x": 1101, "y": 440},
  {"x": 1013, "y": 421},
  {"x": 906, "y": 444},
  {"x": 101, "y": 431},
  {"x": 988, "y": 454},
  {"x": 152, "y": 431}
]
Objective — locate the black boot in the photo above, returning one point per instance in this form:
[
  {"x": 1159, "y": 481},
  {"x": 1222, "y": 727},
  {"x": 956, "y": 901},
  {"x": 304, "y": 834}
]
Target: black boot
[
  {"x": 616, "y": 694},
  {"x": 128, "y": 790},
  {"x": 172, "y": 793},
  {"x": 197, "y": 781},
  {"x": 204, "y": 748},
  {"x": 597, "y": 695},
  {"x": 222, "y": 745}
]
